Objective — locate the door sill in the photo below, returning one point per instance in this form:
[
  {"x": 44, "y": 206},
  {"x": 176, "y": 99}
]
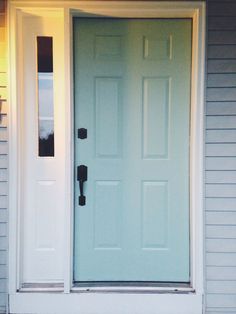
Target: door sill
[
  {"x": 132, "y": 287},
  {"x": 42, "y": 287}
]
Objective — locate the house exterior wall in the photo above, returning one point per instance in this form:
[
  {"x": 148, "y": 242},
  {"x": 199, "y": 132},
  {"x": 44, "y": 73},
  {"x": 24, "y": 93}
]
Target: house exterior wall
[
  {"x": 3, "y": 158},
  {"x": 220, "y": 153},
  {"x": 221, "y": 158}
]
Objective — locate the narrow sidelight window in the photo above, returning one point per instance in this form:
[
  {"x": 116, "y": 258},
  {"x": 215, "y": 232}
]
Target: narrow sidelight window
[{"x": 45, "y": 97}]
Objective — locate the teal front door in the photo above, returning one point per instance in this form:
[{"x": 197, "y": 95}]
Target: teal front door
[{"x": 132, "y": 95}]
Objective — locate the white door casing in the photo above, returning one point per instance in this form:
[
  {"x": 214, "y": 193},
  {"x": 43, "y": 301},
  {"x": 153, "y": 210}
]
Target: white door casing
[{"x": 20, "y": 220}]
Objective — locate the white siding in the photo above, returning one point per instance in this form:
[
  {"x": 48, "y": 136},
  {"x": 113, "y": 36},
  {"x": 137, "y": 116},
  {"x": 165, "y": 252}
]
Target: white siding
[{"x": 220, "y": 160}]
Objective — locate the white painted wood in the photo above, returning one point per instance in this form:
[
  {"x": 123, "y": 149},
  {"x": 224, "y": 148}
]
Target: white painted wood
[
  {"x": 14, "y": 147},
  {"x": 100, "y": 303},
  {"x": 43, "y": 200},
  {"x": 196, "y": 149},
  {"x": 87, "y": 303},
  {"x": 69, "y": 158}
]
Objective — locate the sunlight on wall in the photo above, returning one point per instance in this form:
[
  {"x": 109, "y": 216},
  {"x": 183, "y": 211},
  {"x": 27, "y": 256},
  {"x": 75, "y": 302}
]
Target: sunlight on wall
[
  {"x": 3, "y": 50},
  {"x": 3, "y": 157}
]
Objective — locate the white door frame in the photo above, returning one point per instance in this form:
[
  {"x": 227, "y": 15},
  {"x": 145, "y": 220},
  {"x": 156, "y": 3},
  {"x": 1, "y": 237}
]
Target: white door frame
[{"x": 66, "y": 301}]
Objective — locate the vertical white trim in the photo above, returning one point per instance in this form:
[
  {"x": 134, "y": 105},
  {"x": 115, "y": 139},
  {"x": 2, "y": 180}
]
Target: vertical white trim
[
  {"x": 69, "y": 145},
  {"x": 19, "y": 113},
  {"x": 197, "y": 127},
  {"x": 194, "y": 10},
  {"x": 14, "y": 147}
]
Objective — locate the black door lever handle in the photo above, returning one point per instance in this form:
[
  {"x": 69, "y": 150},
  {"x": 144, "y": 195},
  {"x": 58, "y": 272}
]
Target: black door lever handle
[{"x": 82, "y": 176}]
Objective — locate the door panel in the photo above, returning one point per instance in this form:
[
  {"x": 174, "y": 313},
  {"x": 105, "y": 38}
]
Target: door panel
[
  {"x": 156, "y": 92},
  {"x": 132, "y": 94}
]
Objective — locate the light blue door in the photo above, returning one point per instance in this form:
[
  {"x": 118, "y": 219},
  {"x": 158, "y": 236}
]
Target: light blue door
[{"x": 132, "y": 95}]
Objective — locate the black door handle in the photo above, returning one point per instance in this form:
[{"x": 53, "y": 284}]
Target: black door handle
[{"x": 82, "y": 176}]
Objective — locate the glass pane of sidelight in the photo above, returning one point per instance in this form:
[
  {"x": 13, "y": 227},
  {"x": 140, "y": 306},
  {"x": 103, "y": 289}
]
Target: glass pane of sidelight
[{"x": 45, "y": 96}]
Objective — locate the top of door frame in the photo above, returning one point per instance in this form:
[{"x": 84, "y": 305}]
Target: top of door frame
[{"x": 161, "y": 9}]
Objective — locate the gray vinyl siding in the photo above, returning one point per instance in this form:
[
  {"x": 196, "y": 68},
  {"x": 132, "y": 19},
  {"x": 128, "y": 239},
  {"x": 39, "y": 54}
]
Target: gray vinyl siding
[
  {"x": 3, "y": 160},
  {"x": 220, "y": 161}
]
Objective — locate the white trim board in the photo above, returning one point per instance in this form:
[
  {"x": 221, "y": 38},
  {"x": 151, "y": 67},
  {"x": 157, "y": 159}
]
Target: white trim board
[
  {"x": 105, "y": 303},
  {"x": 67, "y": 301}
]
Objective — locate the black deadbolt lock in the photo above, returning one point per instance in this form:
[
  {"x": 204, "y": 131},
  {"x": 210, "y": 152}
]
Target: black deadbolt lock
[{"x": 82, "y": 133}]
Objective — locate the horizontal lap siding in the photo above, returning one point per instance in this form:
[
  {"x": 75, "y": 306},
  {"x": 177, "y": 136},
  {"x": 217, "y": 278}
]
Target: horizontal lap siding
[
  {"x": 220, "y": 159},
  {"x": 3, "y": 160}
]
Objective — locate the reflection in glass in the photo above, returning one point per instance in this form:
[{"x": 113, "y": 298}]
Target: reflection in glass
[{"x": 45, "y": 97}]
